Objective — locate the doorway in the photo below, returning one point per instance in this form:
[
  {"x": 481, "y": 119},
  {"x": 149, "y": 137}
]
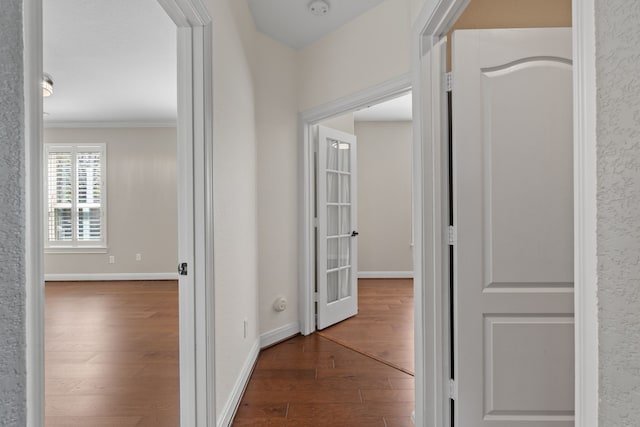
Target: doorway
[
  {"x": 435, "y": 21},
  {"x": 111, "y": 225},
  {"x": 383, "y": 326},
  {"x": 195, "y": 192},
  {"x": 309, "y": 119}
]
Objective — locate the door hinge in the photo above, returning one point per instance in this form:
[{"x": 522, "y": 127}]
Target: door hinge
[
  {"x": 448, "y": 81},
  {"x": 453, "y": 390},
  {"x": 315, "y": 222},
  {"x": 451, "y": 235},
  {"x": 315, "y": 297}
]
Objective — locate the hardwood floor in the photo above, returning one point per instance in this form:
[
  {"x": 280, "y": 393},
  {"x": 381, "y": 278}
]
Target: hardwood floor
[
  {"x": 313, "y": 381},
  {"x": 111, "y": 360},
  {"x": 383, "y": 327},
  {"x": 111, "y": 354},
  {"x": 352, "y": 374}
]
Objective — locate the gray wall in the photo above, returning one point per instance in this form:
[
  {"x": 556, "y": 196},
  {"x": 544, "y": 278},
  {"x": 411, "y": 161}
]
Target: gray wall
[
  {"x": 141, "y": 202},
  {"x": 12, "y": 221},
  {"x": 618, "y": 142}
]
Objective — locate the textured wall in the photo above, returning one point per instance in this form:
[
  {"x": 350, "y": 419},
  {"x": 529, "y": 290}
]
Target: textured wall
[
  {"x": 12, "y": 222},
  {"x": 618, "y": 97}
]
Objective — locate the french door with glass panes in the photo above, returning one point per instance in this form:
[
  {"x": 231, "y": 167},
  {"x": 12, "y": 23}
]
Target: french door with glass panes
[{"x": 337, "y": 250}]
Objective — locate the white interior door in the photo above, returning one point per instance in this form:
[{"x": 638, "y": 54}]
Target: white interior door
[
  {"x": 513, "y": 212},
  {"x": 337, "y": 257}
]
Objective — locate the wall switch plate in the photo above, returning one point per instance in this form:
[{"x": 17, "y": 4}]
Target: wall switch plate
[
  {"x": 138, "y": 257},
  {"x": 112, "y": 259}
]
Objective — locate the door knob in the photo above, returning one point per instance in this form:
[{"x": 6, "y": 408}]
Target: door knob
[{"x": 354, "y": 233}]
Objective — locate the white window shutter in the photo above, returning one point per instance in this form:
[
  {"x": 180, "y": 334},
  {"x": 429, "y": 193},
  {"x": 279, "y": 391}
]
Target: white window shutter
[
  {"x": 60, "y": 194},
  {"x": 76, "y": 199},
  {"x": 89, "y": 195}
]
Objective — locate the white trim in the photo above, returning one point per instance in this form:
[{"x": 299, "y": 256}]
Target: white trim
[
  {"x": 34, "y": 239},
  {"x": 585, "y": 212},
  {"x": 431, "y": 291},
  {"x": 230, "y": 408},
  {"x": 378, "y": 93},
  {"x": 108, "y": 125},
  {"x": 385, "y": 274},
  {"x": 76, "y": 246},
  {"x": 75, "y": 250},
  {"x": 204, "y": 292},
  {"x": 108, "y": 277},
  {"x": 186, "y": 226},
  {"x": 306, "y": 258},
  {"x": 195, "y": 241},
  {"x": 279, "y": 334}
]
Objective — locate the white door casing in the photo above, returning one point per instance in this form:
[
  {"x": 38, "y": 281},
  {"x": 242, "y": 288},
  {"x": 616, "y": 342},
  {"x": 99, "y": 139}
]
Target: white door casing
[
  {"x": 430, "y": 172},
  {"x": 513, "y": 213},
  {"x": 337, "y": 257},
  {"x": 307, "y": 189}
]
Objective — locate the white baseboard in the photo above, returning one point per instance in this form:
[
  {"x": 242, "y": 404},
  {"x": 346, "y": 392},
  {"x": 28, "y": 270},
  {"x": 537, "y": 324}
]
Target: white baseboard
[
  {"x": 385, "y": 274},
  {"x": 230, "y": 408},
  {"x": 109, "y": 277},
  {"x": 279, "y": 334}
]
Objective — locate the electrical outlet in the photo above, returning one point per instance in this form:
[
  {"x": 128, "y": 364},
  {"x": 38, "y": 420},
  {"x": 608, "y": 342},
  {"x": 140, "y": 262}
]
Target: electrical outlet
[
  {"x": 245, "y": 323},
  {"x": 112, "y": 259},
  {"x": 138, "y": 257}
]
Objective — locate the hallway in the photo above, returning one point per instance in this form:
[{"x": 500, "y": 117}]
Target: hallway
[{"x": 353, "y": 374}]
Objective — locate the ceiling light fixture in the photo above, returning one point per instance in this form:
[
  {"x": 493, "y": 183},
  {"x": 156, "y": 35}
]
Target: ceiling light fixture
[
  {"x": 319, "y": 7},
  {"x": 47, "y": 85}
]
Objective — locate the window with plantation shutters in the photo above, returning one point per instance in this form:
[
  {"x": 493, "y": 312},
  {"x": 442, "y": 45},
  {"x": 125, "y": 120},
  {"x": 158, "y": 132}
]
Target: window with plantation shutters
[{"x": 75, "y": 191}]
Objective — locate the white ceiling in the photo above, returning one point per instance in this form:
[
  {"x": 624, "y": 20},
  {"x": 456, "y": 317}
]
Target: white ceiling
[
  {"x": 290, "y": 21},
  {"x": 395, "y": 110},
  {"x": 114, "y": 61},
  {"x": 111, "y": 61}
]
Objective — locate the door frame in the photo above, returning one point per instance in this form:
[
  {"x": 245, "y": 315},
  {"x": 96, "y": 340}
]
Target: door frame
[
  {"x": 195, "y": 210},
  {"x": 433, "y": 22},
  {"x": 307, "y": 258}
]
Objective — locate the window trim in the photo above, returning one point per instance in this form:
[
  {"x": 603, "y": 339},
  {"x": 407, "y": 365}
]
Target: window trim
[{"x": 75, "y": 246}]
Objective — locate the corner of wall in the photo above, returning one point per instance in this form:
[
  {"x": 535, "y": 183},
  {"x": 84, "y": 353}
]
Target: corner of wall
[{"x": 225, "y": 416}]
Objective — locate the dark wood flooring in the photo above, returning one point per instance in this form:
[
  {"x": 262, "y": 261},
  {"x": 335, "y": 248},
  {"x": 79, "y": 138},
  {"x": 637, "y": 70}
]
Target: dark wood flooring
[
  {"x": 383, "y": 327},
  {"x": 313, "y": 381},
  {"x": 111, "y": 354},
  {"x": 111, "y": 360},
  {"x": 358, "y": 377}
]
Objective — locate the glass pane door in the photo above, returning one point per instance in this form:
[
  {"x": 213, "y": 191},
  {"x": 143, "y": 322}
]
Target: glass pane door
[{"x": 337, "y": 287}]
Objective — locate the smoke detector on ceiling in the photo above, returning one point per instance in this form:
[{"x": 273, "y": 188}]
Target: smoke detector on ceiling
[{"x": 319, "y": 7}]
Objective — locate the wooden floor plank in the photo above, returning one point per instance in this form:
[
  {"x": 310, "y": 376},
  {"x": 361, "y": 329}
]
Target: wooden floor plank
[
  {"x": 383, "y": 327},
  {"x": 316, "y": 381},
  {"x": 111, "y": 354}
]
